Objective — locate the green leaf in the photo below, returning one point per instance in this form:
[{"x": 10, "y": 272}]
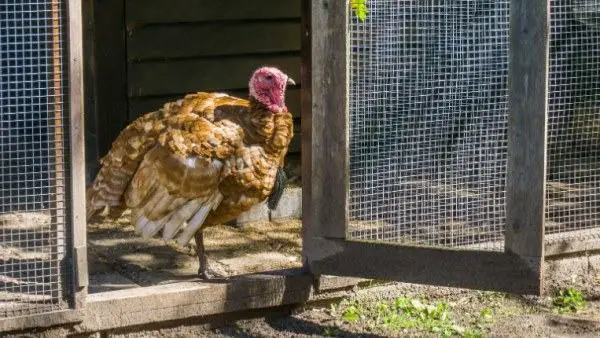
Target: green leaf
[
  {"x": 351, "y": 314},
  {"x": 360, "y": 9}
]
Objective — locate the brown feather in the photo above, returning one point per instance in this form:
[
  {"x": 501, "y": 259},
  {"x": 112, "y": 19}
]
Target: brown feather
[{"x": 187, "y": 151}]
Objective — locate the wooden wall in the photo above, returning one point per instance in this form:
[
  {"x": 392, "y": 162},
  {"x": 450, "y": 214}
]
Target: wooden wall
[{"x": 148, "y": 53}]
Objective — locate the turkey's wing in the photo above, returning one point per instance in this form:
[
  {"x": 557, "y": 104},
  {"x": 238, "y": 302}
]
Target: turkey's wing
[{"x": 177, "y": 182}]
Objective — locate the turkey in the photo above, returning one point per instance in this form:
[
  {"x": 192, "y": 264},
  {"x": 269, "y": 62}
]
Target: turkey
[{"x": 197, "y": 162}]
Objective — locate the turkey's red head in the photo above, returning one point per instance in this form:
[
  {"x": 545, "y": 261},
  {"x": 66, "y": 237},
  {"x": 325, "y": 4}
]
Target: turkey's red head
[{"x": 267, "y": 86}]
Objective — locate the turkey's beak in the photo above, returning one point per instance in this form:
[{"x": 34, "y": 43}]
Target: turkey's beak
[{"x": 290, "y": 81}]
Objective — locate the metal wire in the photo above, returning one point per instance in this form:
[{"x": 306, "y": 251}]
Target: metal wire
[
  {"x": 573, "y": 188},
  {"x": 428, "y": 122},
  {"x": 32, "y": 162}
]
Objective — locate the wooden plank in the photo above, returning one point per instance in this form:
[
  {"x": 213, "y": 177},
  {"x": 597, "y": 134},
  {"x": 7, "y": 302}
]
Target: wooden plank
[
  {"x": 183, "y": 76},
  {"x": 58, "y": 201},
  {"x": 221, "y": 38},
  {"x": 528, "y": 102},
  {"x": 580, "y": 241},
  {"x": 162, "y": 303},
  {"x": 141, "y": 105},
  {"x": 327, "y": 132},
  {"x": 486, "y": 270},
  {"x": 77, "y": 150},
  {"x": 92, "y": 155},
  {"x": 306, "y": 130},
  {"x": 40, "y": 321},
  {"x": 163, "y": 11},
  {"x": 110, "y": 69}
]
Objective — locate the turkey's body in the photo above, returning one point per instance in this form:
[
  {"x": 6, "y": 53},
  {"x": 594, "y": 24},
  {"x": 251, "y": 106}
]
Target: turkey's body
[{"x": 197, "y": 162}]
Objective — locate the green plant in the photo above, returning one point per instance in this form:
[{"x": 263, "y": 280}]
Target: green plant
[
  {"x": 568, "y": 300},
  {"x": 351, "y": 314},
  {"x": 331, "y": 331},
  {"x": 360, "y": 9}
]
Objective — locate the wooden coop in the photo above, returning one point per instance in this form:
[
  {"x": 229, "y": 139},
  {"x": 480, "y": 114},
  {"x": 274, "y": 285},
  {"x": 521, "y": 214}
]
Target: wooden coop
[{"x": 447, "y": 142}]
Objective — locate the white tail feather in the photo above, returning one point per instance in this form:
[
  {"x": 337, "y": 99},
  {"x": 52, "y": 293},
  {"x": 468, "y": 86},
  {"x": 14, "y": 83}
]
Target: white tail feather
[
  {"x": 196, "y": 222},
  {"x": 140, "y": 223},
  {"x": 179, "y": 217},
  {"x": 153, "y": 227}
]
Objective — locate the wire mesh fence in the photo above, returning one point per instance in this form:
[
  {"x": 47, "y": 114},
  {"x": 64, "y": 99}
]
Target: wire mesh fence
[
  {"x": 573, "y": 188},
  {"x": 428, "y": 122},
  {"x": 32, "y": 156}
]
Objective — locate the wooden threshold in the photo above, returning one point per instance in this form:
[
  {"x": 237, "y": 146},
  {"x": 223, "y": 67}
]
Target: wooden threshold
[
  {"x": 572, "y": 242},
  {"x": 178, "y": 301},
  {"x": 40, "y": 321}
]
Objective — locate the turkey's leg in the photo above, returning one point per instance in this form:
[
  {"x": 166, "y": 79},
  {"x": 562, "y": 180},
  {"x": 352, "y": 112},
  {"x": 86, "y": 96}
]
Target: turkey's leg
[{"x": 204, "y": 269}]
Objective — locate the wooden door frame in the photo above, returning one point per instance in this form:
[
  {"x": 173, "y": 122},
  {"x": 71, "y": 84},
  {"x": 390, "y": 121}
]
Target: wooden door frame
[{"x": 325, "y": 166}]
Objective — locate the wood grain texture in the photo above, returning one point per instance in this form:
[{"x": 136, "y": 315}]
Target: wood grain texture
[
  {"x": 528, "y": 109},
  {"x": 306, "y": 130},
  {"x": 213, "y": 39},
  {"x": 328, "y": 135},
  {"x": 139, "y": 12},
  {"x": 77, "y": 151},
  {"x": 110, "y": 65},
  {"x": 189, "y": 75},
  {"x": 146, "y": 104},
  {"x": 484, "y": 270}
]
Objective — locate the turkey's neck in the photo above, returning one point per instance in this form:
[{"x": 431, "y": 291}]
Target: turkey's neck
[{"x": 271, "y": 130}]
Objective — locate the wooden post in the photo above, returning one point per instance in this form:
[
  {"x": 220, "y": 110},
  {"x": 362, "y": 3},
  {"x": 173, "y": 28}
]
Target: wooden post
[
  {"x": 78, "y": 218},
  {"x": 325, "y": 124},
  {"x": 528, "y": 108},
  {"x": 57, "y": 202}
]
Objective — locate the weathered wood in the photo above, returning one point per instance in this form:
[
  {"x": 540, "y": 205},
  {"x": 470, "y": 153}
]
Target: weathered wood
[
  {"x": 486, "y": 270},
  {"x": 77, "y": 150},
  {"x": 331, "y": 283},
  {"x": 572, "y": 242},
  {"x": 213, "y": 39},
  {"x": 139, "y": 306},
  {"x": 40, "y": 321},
  {"x": 327, "y": 133},
  {"x": 306, "y": 127},
  {"x": 109, "y": 71},
  {"x": 183, "y": 76},
  {"x": 140, "y": 12},
  {"x": 145, "y": 104},
  {"x": 92, "y": 133},
  {"x": 528, "y": 102},
  {"x": 58, "y": 201}
]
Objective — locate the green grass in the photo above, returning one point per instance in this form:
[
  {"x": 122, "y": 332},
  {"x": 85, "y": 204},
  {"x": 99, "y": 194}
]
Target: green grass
[
  {"x": 404, "y": 313},
  {"x": 568, "y": 300}
]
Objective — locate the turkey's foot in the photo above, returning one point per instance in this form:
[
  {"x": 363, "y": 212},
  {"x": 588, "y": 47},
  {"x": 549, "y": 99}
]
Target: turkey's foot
[{"x": 206, "y": 270}]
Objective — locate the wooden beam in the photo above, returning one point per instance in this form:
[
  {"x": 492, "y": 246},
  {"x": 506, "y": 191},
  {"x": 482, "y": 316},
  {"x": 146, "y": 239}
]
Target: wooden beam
[
  {"x": 306, "y": 127},
  {"x": 114, "y": 309},
  {"x": 139, "y": 12},
  {"x": 213, "y": 39},
  {"x": 528, "y": 109},
  {"x": 40, "y": 321},
  {"x": 77, "y": 149},
  {"x": 486, "y": 270},
  {"x": 326, "y": 135},
  {"x": 571, "y": 242},
  {"x": 59, "y": 198},
  {"x": 146, "y": 104},
  {"x": 188, "y": 75},
  {"x": 110, "y": 65}
]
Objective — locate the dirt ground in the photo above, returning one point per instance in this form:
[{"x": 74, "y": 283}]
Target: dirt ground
[{"x": 509, "y": 316}]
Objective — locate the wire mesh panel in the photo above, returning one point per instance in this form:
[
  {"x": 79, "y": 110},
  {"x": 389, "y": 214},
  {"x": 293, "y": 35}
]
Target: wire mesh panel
[
  {"x": 428, "y": 122},
  {"x": 32, "y": 162},
  {"x": 573, "y": 188}
]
